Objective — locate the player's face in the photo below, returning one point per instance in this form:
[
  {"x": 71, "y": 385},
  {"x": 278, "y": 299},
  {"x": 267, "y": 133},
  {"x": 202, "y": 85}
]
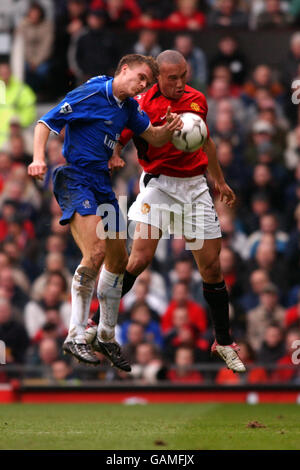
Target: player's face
[
  {"x": 137, "y": 78},
  {"x": 172, "y": 80}
]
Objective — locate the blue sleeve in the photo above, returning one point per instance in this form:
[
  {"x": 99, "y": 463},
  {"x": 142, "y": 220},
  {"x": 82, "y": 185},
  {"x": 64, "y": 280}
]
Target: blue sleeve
[
  {"x": 73, "y": 106},
  {"x": 138, "y": 120}
]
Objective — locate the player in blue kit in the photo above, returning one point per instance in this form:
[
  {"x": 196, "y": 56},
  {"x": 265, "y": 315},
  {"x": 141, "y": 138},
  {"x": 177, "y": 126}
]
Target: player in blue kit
[{"x": 94, "y": 116}]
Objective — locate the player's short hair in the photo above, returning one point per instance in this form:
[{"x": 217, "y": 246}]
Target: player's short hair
[
  {"x": 133, "y": 59},
  {"x": 170, "y": 56}
]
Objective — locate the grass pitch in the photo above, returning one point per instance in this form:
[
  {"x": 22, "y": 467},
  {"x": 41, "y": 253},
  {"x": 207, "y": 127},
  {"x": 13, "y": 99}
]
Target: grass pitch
[{"x": 142, "y": 427}]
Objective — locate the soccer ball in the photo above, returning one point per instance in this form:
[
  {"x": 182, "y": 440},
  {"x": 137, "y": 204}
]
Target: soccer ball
[{"x": 193, "y": 134}]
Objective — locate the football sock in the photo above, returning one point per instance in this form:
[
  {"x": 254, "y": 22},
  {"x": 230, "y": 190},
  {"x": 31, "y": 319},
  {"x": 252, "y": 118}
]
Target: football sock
[
  {"x": 109, "y": 292},
  {"x": 128, "y": 281},
  {"x": 216, "y": 296},
  {"x": 82, "y": 290}
]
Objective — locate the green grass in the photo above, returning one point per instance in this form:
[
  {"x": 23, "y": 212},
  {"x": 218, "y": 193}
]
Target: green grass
[{"x": 141, "y": 427}]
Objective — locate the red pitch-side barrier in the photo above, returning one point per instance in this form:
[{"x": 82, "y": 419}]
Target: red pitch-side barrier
[{"x": 11, "y": 394}]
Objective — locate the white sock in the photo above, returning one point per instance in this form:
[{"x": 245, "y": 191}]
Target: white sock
[
  {"x": 83, "y": 285},
  {"x": 109, "y": 292}
]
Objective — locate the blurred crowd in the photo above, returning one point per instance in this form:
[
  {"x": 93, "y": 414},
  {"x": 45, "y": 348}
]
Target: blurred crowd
[{"x": 164, "y": 325}]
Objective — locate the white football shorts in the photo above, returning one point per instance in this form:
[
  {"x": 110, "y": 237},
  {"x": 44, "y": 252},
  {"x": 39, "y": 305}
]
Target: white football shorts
[{"x": 179, "y": 206}]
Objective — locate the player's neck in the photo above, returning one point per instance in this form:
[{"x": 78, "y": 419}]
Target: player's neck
[{"x": 117, "y": 89}]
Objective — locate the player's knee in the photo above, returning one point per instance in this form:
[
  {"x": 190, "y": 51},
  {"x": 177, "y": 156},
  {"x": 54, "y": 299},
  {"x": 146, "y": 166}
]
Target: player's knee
[
  {"x": 97, "y": 257},
  {"x": 117, "y": 265}
]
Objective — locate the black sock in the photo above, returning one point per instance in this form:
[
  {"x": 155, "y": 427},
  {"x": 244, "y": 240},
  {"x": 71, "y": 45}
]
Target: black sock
[
  {"x": 128, "y": 281},
  {"x": 216, "y": 296}
]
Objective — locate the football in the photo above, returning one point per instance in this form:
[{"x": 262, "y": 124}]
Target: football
[{"x": 193, "y": 134}]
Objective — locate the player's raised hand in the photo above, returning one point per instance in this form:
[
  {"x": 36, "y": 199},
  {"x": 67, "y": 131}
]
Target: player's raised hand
[
  {"x": 174, "y": 121},
  {"x": 226, "y": 194},
  {"x": 37, "y": 169}
]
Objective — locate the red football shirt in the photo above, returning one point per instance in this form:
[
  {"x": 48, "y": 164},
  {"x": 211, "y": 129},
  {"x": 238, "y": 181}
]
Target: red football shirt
[{"x": 167, "y": 160}]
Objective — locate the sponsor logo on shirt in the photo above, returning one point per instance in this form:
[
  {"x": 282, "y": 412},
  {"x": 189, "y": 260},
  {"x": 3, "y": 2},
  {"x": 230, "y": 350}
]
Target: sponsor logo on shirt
[
  {"x": 195, "y": 106},
  {"x": 66, "y": 108},
  {"x": 111, "y": 143}
]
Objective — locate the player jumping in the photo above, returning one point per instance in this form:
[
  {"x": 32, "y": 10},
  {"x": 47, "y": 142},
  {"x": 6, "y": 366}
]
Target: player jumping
[
  {"x": 94, "y": 116},
  {"x": 173, "y": 177}
]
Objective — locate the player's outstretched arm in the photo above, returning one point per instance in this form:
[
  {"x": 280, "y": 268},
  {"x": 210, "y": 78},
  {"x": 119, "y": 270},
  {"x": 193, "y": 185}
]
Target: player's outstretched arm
[
  {"x": 214, "y": 169},
  {"x": 159, "y": 136},
  {"x": 38, "y": 167}
]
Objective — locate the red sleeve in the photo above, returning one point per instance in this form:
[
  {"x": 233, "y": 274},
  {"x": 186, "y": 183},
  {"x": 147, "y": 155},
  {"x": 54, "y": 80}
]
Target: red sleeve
[{"x": 125, "y": 136}]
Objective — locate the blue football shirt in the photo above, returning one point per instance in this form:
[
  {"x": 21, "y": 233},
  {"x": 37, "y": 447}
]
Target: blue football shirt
[{"x": 94, "y": 120}]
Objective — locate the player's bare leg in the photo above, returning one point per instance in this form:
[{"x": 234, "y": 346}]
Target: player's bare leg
[
  {"x": 215, "y": 293},
  {"x": 83, "y": 229}
]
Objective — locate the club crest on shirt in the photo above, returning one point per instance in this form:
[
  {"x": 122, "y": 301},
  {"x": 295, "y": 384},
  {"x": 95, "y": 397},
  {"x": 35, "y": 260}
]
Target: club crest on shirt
[
  {"x": 195, "y": 106},
  {"x": 66, "y": 108},
  {"x": 145, "y": 208},
  {"x": 86, "y": 204}
]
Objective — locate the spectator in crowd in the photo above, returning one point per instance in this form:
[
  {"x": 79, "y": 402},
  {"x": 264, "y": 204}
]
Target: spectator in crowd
[
  {"x": 43, "y": 355},
  {"x": 141, "y": 314},
  {"x": 52, "y": 328},
  {"x": 262, "y": 77},
  {"x": 273, "y": 16},
  {"x": 226, "y": 14},
  {"x": 232, "y": 237},
  {"x": 267, "y": 259},
  {"x": 268, "y": 225},
  {"x": 155, "y": 9},
  {"x": 186, "y": 16},
  {"x": 258, "y": 280},
  {"x": 181, "y": 298},
  {"x": 120, "y": 12},
  {"x": 53, "y": 298},
  {"x": 183, "y": 370},
  {"x": 272, "y": 348},
  {"x": 147, "y": 366},
  {"x": 147, "y": 43},
  {"x": 195, "y": 57},
  {"x": 135, "y": 336},
  {"x": 96, "y": 53},
  {"x": 184, "y": 271},
  {"x": 230, "y": 55},
  {"x": 37, "y": 35},
  {"x": 62, "y": 373},
  {"x": 55, "y": 262},
  {"x": 20, "y": 100},
  {"x": 17, "y": 297},
  {"x": 265, "y": 314},
  {"x": 13, "y": 333},
  {"x": 184, "y": 334},
  {"x": 69, "y": 27}
]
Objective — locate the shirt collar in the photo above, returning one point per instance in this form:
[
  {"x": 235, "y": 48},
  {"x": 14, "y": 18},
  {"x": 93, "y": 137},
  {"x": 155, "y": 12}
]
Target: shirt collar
[{"x": 110, "y": 96}]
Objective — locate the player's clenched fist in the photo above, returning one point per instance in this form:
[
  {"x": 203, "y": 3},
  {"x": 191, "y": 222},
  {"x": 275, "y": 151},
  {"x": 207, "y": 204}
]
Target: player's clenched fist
[
  {"x": 174, "y": 121},
  {"x": 37, "y": 169}
]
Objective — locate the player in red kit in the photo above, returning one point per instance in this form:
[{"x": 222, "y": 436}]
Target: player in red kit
[{"x": 173, "y": 189}]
